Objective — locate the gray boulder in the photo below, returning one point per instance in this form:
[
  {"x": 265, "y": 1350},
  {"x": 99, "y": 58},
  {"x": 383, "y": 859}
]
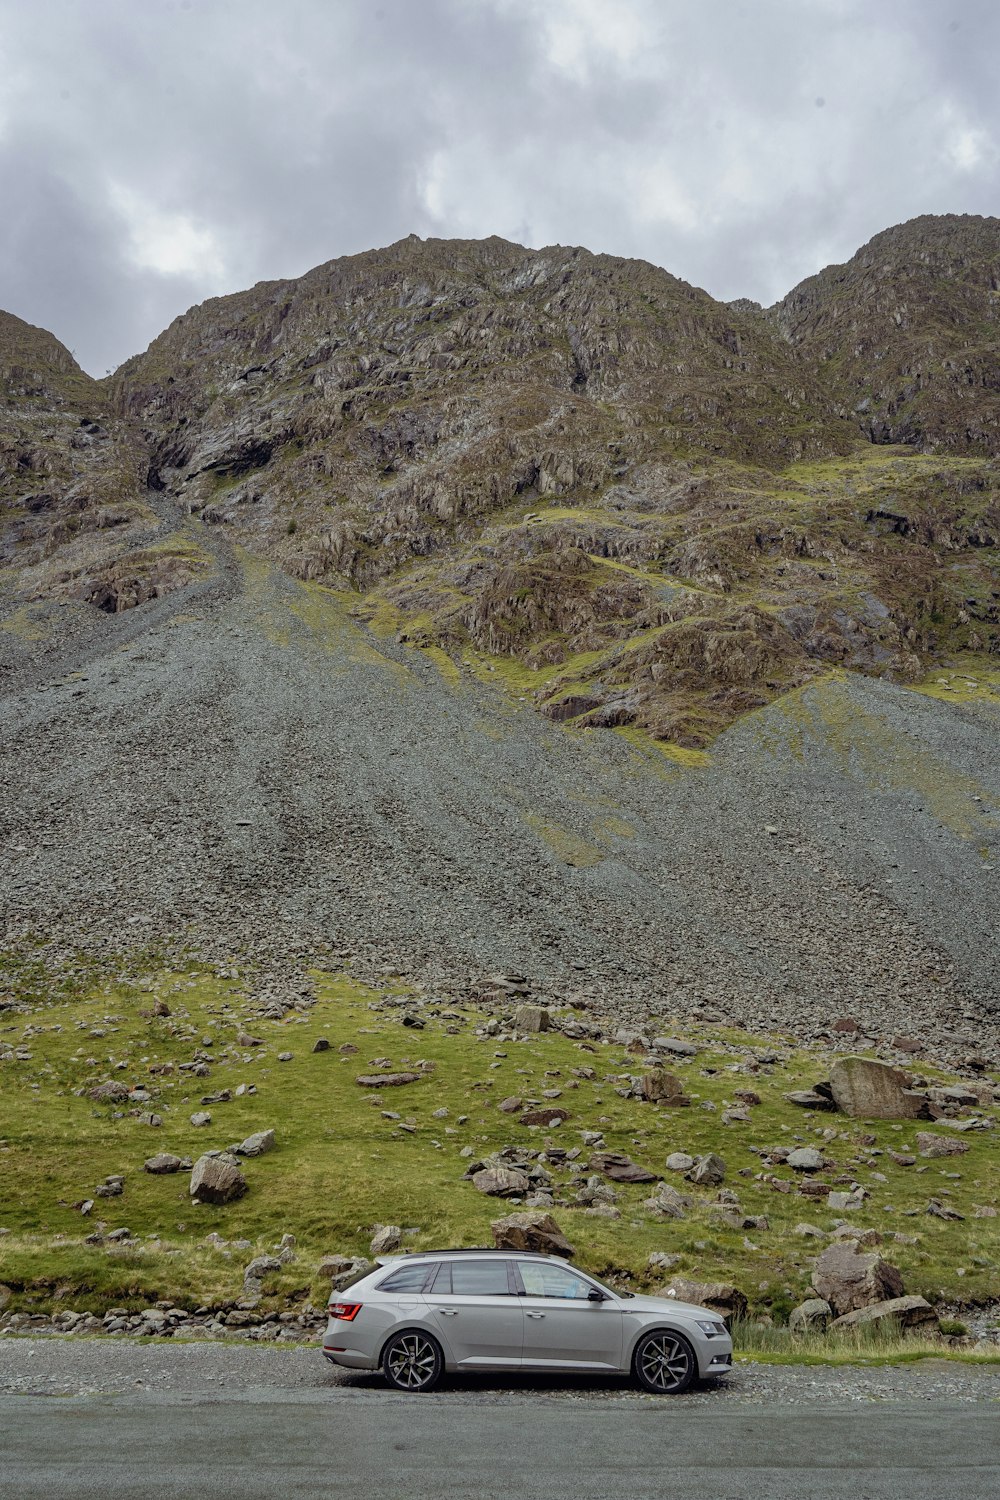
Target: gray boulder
[
  {"x": 217, "y": 1179},
  {"x": 805, "y": 1159},
  {"x": 908, "y": 1312},
  {"x": 810, "y": 1316},
  {"x": 679, "y": 1161},
  {"x": 668, "y": 1202},
  {"x": 257, "y": 1144},
  {"x": 501, "y": 1182},
  {"x": 708, "y": 1171},
  {"x": 165, "y": 1161},
  {"x": 849, "y": 1279},
  {"x": 932, "y": 1145}
]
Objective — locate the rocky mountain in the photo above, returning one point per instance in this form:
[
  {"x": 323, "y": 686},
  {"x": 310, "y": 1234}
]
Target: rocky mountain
[{"x": 353, "y": 562}]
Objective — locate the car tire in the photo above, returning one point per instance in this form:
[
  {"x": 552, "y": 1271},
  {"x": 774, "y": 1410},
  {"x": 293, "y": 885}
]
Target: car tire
[
  {"x": 412, "y": 1361},
  {"x": 664, "y": 1363}
]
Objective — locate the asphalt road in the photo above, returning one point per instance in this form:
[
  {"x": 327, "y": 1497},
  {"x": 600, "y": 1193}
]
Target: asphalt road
[{"x": 342, "y": 1442}]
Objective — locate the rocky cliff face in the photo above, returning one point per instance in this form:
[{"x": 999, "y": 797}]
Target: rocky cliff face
[
  {"x": 654, "y": 509},
  {"x": 267, "y": 595},
  {"x": 906, "y": 335}
]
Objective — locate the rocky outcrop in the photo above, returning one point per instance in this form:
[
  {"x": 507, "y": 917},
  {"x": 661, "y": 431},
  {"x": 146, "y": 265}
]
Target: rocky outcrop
[{"x": 849, "y": 1279}]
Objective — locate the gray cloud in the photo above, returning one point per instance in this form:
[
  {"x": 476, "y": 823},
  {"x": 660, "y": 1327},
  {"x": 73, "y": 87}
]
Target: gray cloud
[{"x": 152, "y": 155}]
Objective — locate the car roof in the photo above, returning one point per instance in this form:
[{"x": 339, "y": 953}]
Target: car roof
[{"x": 481, "y": 1250}]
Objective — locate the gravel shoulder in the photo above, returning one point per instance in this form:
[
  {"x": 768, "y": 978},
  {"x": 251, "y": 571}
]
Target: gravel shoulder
[{"x": 180, "y": 1372}]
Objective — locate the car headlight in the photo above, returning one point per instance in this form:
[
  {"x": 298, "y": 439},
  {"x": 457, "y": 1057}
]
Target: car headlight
[{"x": 711, "y": 1329}]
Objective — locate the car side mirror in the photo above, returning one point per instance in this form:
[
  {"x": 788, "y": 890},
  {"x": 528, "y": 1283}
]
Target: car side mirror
[{"x": 595, "y": 1296}]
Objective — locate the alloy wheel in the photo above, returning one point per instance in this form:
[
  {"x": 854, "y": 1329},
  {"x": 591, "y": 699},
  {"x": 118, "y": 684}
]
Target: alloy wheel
[
  {"x": 412, "y": 1362},
  {"x": 665, "y": 1364}
]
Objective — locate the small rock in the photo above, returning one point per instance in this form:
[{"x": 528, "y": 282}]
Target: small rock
[
  {"x": 164, "y": 1162},
  {"x": 257, "y": 1144},
  {"x": 386, "y": 1080},
  {"x": 321, "y": 1044},
  {"x": 201, "y": 1117},
  {"x": 679, "y": 1161}
]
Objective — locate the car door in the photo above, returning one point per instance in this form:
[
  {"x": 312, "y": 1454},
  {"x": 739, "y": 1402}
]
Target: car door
[
  {"x": 476, "y": 1307},
  {"x": 562, "y": 1326}
]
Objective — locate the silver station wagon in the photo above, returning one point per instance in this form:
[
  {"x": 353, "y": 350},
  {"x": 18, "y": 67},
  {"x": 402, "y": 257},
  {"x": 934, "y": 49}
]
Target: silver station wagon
[{"x": 416, "y": 1316}]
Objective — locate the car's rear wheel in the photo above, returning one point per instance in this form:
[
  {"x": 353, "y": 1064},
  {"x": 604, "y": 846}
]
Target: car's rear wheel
[
  {"x": 664, "y": 1363},
  {"x": 412, "y": 1361}
]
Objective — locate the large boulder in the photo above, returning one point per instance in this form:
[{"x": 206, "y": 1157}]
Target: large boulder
[
  {"x": 849, "y": 1279},
  {"x": 718, "y": 1296},
  {"x": 217, "y": 1178},
  {"x": 870, "y": 1090},
  {"x": 530, "y": 1231},
  {"x": 661, "y": 1087},
  {"x": 531, "y": 1018},
  {"x": 501, "y": 1182},
  {"x": 908, "y": 1312}
]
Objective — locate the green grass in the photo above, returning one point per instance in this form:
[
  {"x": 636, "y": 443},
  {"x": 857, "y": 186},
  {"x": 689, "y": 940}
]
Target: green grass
[
  {"x": 340, "y": 1166},
  {"x": 764, "y": 1344}
]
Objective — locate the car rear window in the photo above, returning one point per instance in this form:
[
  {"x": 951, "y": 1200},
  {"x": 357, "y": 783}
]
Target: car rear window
[
  {"x": 472, "y": 1278},
  {"x": 407, "y": 1278}
]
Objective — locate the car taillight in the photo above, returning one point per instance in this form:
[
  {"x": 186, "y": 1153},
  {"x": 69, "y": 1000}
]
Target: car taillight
[{"x": 346, "y": 1311}]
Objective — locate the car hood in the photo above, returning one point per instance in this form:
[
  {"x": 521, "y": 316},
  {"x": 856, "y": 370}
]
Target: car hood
[{"x": 666, "y": 1306}]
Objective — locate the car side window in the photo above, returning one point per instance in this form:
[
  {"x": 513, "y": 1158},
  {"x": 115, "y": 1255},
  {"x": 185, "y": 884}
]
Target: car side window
[
  {"x": 406, "y": 1278},
  {"x": 541, "y": 1280},
  {"x": 472, "y": 1278}
]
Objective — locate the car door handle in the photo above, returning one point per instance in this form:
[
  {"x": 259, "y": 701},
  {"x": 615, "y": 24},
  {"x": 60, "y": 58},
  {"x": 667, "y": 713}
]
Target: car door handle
[
  {"x": 534, "y": 1315},
  {"x": 448, "y": 1312}
]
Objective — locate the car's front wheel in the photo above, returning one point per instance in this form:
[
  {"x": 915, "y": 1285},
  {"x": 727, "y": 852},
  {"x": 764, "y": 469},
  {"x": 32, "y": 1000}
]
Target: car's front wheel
[
  {"x": 664, "y": 1363},
  {"x": 413, "y": 1361}
]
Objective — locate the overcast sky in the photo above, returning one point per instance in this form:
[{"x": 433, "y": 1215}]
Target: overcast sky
[{"x": 156, "y": 152}]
